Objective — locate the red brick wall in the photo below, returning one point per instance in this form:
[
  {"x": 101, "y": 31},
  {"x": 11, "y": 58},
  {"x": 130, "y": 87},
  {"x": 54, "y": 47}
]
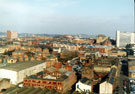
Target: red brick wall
[{"x": 61, "y": 86}]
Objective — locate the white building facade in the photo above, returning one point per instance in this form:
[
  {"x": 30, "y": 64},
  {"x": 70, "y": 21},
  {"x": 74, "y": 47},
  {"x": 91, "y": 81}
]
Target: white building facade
[
  {"x": 12, "y": 34},
  {"x": 124, "y": 38},
  {"x": 17, "y": 76},
  {"x": 106, "y": 88},
  {"x": 82, "y": 87}
]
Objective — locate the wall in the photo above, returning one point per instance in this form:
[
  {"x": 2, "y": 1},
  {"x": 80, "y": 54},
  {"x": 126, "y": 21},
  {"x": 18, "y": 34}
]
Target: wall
[
  {"x": 83, "y": 87},
  {"x": 29, "y": 71},
  {"x": 4, "y": 84},
  {"x": 106, "y": 88},
  {"x": 12, "y": 75}
]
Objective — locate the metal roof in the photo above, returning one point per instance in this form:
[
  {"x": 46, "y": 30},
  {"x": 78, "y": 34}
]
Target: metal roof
[
  {"x": 26, "y": 90},
  {"x": 21, "y": 65}
]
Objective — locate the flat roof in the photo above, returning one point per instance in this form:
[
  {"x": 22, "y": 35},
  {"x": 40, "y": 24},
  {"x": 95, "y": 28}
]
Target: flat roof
[
  {"x": 131, "y": 63},
  {"x": 61, "y": 78},
  {"x": 21, "y": 65},
  {"x": 86, "y": 81}
]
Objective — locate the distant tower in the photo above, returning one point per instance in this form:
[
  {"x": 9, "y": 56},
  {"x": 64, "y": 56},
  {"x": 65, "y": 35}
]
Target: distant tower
[
  {"x": 117, "y": 38},
  {"x": 12, "y": 34}
]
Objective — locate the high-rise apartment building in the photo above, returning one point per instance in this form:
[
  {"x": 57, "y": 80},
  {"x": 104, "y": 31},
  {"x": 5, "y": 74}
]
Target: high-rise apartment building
[
  {"x": 124, "y": 38},
  {"x": 12, "y": 34}
]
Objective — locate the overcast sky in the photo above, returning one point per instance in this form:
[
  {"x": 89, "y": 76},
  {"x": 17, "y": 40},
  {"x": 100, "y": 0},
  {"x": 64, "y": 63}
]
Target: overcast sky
[{"x": 67, "y": 16}]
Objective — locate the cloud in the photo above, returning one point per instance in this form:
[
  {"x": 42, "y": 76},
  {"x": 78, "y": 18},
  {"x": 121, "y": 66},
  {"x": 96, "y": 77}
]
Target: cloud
[
  {"x": 60, "y": 16},
  {"x": 23, "y": 7},
  {"x": 22, "y": 12}
]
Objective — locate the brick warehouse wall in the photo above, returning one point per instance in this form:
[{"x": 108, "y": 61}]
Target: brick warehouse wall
[{"x": 58, "y": 85}]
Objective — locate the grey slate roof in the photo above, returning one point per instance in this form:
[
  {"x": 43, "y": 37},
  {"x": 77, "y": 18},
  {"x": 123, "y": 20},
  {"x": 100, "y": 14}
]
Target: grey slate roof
[
  {"x": 21, "y": 65},
  {"x": 86, "y": 81},
  {"x": 26, "y": 90}
]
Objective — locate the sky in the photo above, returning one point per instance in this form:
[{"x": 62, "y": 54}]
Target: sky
[{"x": 90, "y": 17}]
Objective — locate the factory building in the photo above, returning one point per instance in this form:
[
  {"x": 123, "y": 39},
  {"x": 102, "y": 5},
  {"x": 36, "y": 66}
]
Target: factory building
[{"x": 18, "y": 71}]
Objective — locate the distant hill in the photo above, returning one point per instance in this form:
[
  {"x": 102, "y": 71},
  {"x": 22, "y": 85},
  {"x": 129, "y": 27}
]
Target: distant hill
[
  {"x": 88, "y": 36},
  {"x": 48, "y": 35},
  {"x": 3, "y": 34}
]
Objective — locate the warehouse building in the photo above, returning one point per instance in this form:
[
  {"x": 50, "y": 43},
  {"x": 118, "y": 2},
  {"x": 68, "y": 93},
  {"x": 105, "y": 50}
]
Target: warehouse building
[
  {"x": 53, "y": 78},
  {"x": 18, "y": 71}
]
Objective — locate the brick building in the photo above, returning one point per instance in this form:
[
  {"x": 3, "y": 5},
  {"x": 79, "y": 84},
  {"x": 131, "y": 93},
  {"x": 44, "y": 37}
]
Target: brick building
[
  {"x": 101, "y": 38},
  {"x": 83, "y": 41},
  {"x": 59, "y": 79},
  {"x": 88, "y": 72},
  {"x": 103, "y": 50},
  {"x": 12, "y": 34}
]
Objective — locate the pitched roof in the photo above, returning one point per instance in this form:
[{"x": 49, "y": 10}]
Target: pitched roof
[{"x": 86, "y": 81}]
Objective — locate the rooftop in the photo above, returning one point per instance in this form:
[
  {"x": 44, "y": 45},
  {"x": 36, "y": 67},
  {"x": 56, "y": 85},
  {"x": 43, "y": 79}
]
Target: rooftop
[
  {"x": 86, "y": 81},
  {"x": 131, "y": 63},
  {"x": 112, "y": 76},
  {"x": 20, "y": 65},
  {"x": 27, "y": 90},
  {"x": 61, "y": 78}
]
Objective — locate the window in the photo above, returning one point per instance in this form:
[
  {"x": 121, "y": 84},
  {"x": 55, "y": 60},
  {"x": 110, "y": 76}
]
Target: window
[
  {"x": 38, "y": 81},
  {"x": 59, "y": 83},
  {"x": 86, "y": 91},
  {"x": 12, "y": 60},
  {"x": 54, "y": 82},
  {"x": 60, "y": 88},
  {"x": 33, "y": 81},
  {"x": 77, "y": 86},
  {"x": 44, "y": 82},
  {"x": 49, "y": 82},
  {"x": 25, "y": 80}
]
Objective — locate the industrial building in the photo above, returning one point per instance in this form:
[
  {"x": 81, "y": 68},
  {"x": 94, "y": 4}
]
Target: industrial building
[
  {"x": 28, "y": 90},
  {"x": 57, "y": 78},
  {"x": 18, "y": 71}
]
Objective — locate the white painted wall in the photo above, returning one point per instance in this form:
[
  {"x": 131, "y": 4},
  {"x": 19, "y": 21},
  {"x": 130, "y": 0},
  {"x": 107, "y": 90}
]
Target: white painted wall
[
  {"x": 12, "y": 75},
  {"x": 30, "y": 71},
  {"x": 106, "y": 88},
  {"x": 82, "y": 87},
  {"x": 17, "y": 77}
]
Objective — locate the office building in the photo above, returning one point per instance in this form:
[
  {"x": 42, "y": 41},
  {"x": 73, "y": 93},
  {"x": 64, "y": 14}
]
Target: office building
[
  {"x": 12, "y": 34},
  {"x": 124, "y": 38}
]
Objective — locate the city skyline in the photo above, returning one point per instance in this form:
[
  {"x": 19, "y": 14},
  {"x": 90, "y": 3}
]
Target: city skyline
[{"x": 67, "y": 16}]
